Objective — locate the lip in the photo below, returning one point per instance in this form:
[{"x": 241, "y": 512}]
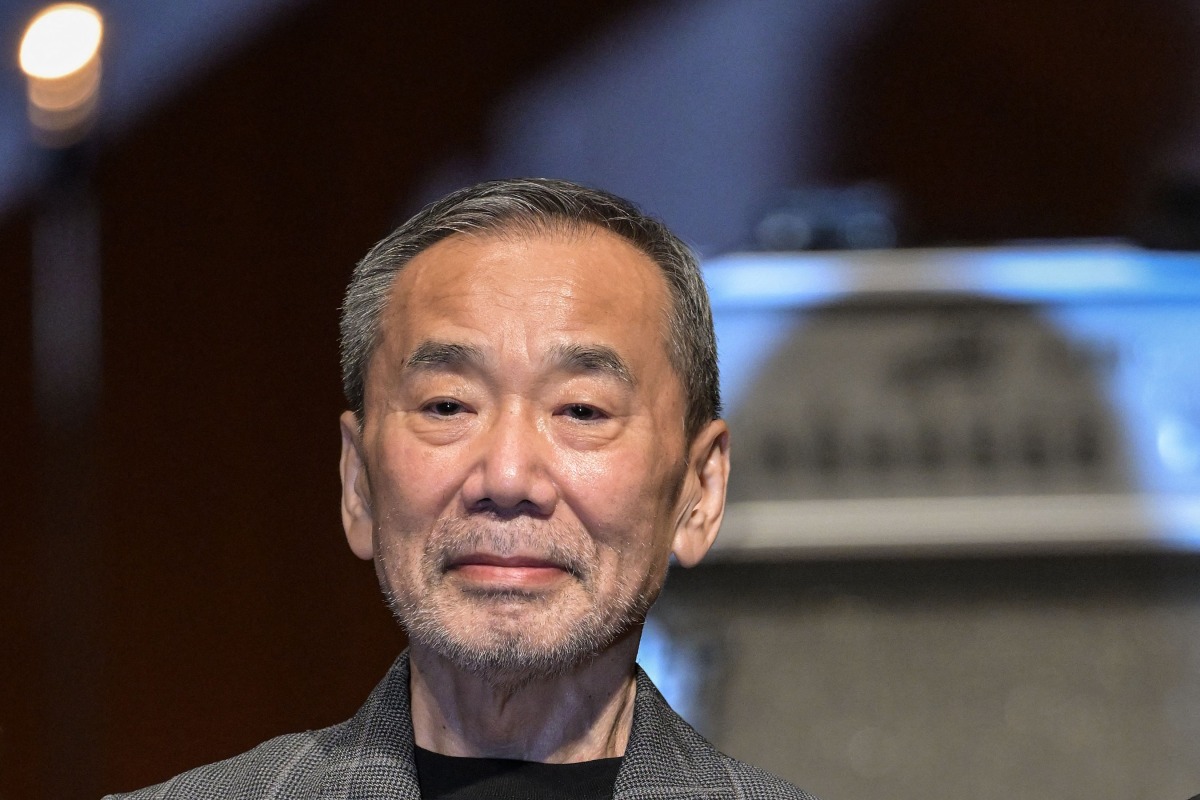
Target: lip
[{"x": 487, "y": 570}]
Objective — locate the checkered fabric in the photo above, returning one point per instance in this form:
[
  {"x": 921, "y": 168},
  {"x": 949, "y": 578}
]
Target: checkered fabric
[{"x": 370, "y": 757}]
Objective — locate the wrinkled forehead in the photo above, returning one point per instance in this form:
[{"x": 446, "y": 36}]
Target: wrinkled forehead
[
  {"x": 591, "y": 263},
  {"x": 602, "y": 282}
]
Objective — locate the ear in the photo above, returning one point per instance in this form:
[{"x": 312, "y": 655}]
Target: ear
[
  {"x": 357, "y": 517},
  {"x": 703, "y": 494}
]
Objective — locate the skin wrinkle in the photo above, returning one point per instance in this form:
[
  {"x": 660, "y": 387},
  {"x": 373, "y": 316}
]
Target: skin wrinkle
[
  {"x": 479, "y": 437},
  {"x": 571, "y": 359},
  {"x": 511, "y": 210},
  {"x": 505, "y": 661}
]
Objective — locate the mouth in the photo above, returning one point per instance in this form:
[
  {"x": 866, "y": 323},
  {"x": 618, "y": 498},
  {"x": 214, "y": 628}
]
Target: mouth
[{"x": 511, "y": 573}]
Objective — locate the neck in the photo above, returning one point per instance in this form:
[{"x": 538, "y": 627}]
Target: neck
[{"x": 580, "y": 715}]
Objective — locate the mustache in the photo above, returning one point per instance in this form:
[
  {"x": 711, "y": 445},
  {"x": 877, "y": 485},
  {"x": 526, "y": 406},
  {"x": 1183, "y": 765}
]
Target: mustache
[{"x": 564, "y": 545}]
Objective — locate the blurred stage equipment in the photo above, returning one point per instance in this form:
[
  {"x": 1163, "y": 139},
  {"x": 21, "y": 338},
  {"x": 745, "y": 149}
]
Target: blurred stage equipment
[
  {"x": 860, "y": 217},
  {"x": 60, "y": 56},
  {"x": 900, "y": 418},
  {"x": 1023, "y": 397}
]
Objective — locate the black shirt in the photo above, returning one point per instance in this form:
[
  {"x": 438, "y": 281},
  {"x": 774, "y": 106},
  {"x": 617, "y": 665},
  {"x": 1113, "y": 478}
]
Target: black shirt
[{"x": 455, "y": 778}]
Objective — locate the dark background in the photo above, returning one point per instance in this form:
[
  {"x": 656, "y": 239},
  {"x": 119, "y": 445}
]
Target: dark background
[{"x": 207, "y": 600}]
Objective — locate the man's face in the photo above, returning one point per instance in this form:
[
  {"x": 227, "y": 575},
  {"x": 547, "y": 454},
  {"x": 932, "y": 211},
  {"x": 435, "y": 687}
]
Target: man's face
[{"x": 522, "y": 473}]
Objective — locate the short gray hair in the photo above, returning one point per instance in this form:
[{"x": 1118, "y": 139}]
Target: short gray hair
[{"x": 539, "y": 205}]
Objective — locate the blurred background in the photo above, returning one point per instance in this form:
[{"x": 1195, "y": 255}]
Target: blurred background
[{"x": 949, "y": 246}]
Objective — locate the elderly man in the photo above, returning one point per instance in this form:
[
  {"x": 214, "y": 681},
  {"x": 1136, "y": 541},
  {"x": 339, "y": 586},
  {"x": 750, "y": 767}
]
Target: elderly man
[{"x": 532, "y": 376}]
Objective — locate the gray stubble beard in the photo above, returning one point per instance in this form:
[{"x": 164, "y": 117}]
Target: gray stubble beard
[{"x": 509, "y": 656}]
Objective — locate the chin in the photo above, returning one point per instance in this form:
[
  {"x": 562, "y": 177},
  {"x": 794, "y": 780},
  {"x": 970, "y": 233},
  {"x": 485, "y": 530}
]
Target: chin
[{"x": 513, "y": 639}]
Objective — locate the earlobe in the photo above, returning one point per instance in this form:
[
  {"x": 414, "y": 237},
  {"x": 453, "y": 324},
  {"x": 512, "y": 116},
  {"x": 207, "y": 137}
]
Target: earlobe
[
  {"x": 357, "y": 518},
  {"x": 704, "y": 493}
]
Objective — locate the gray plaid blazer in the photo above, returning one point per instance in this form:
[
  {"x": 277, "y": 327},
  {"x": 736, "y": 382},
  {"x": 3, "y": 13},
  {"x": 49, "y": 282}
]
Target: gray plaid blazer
[{"x": 370, "y": 757}]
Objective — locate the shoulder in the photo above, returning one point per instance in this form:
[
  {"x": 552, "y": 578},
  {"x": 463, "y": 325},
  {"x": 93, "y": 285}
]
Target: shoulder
[
  {"x": 751, "y": 782},
  {"x": 355, "y": 758},
  {"x": 666, "y": 755},
  {"x": 289, "y": 766}
]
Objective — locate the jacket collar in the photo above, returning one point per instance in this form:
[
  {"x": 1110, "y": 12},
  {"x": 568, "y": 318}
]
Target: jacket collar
[{"x": 665, "y": 757}]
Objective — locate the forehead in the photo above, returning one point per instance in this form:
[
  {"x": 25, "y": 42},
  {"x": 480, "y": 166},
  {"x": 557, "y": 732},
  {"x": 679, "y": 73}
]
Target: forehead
[{"x": 574, "y": 282}]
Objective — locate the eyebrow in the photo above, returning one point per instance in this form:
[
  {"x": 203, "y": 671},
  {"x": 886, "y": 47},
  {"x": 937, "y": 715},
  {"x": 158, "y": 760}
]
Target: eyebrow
[
  {"x": 574, "y": 358},
  {"x": 437, "y": 356},
  {"x": 581, "y": 358}
]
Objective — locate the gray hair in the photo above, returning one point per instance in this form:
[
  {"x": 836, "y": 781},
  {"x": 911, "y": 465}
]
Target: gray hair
[{"x": 539, "y": 206}]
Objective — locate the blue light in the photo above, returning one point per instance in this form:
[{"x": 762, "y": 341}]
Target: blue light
[
  {"x": 774, "y": 280},
  {"x": 1046, "y": 274},
  {"x": 672, "y": 667},
  {"x": 1137, "y": 312},
  {"x": 1072, "y": 274},
  {"x": 1179, "y": 445}
]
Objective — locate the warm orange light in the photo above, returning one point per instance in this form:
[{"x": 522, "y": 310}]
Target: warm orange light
[
  {"x": 60, "y": 40},
  {"x": 60, "y": 56}
]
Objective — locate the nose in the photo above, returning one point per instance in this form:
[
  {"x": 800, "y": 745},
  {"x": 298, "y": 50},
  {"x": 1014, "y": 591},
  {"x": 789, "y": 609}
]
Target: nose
[{"x": 511, "y": 474}]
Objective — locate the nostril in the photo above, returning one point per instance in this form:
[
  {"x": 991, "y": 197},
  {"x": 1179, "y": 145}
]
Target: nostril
[{"x": 507, "y": 511}]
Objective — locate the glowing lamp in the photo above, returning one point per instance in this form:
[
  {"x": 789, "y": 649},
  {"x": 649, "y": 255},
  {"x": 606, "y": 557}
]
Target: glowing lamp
[{"x": 60, "y": 56}]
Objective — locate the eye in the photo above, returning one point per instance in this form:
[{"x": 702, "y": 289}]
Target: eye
[
  {"x": 583, "y": 413},
  {"x": 444, "y": 408}
]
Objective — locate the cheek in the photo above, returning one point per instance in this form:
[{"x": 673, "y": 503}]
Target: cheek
[
  {"x": 626, "y": 500},
  {"x": 410, "y": 473}
]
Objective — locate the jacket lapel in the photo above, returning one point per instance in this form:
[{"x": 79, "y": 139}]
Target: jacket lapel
[
  {"x": 374, "y": 754},
  {"x": 666, "y": 758}
]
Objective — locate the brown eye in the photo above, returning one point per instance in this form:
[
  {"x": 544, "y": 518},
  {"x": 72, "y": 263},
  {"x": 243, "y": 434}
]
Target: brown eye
[
  {"x": 444, "y": 408},
  {"x": 582, "y": 413}
]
